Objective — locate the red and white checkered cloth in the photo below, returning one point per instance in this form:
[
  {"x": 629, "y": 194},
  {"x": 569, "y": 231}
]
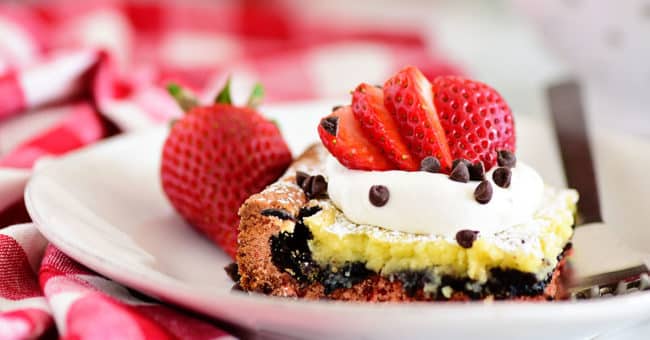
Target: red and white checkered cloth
[{"x": 73, "y": 72}]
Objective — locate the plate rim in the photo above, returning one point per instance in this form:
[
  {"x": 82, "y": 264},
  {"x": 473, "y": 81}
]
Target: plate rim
[{"x": 586, "y": 310}]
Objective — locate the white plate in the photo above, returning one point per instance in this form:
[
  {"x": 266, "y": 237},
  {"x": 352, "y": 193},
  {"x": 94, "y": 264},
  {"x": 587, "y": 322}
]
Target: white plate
[{"x": 104, "y": 207}]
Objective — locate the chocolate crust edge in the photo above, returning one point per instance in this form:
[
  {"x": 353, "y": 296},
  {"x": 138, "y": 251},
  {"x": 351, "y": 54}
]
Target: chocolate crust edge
[{"x": 256, "y": 270}]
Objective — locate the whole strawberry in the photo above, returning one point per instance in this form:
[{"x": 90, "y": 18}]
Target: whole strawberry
[{"x": 214, "y": 158}]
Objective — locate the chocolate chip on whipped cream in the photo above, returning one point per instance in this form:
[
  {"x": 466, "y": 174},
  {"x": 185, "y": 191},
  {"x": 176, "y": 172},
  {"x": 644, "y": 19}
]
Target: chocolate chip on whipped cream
[
  {"x": 301, "y": 177},
  {"x": 378, "y": 195},
  {"x": 483, "y": 192},
  {"x": 466, "y": 238},
  {"x": 330, "y": 124},
  {"x": 506, "y": 159},
  {"x": 430, "y": 164},
  {"x": 501, "y": 177},
  {"x": 460, "y": 172},
  {"x": 460, "y": 160},
  {"x": 476, "y": 171},
  {"x": 411, "y": 193}
]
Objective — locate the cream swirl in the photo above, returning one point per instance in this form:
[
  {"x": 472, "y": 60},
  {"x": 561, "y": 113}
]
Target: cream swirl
[{"x": 427, "y": 203}]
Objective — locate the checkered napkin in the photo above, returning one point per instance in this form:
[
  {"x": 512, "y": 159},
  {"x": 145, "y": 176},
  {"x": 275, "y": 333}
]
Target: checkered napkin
[{"x": 72, "y": 73}]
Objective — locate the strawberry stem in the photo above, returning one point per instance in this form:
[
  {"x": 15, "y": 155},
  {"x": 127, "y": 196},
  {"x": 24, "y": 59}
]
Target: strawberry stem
[
  {"x": 174, "y": 89},
  {"x": 254, "y": 99},
  {"x": 256, "y": 96},
  {"x": 184, "y": 98},
  {"x": 224, "y": 95}
]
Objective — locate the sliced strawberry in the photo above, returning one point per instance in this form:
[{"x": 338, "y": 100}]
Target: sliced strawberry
[
  {"x": 379, "y": 127},
  {"x": 408, "y": 97},
  {"x": 342, "y": 136},
  {"x": 476, "y": 120}
]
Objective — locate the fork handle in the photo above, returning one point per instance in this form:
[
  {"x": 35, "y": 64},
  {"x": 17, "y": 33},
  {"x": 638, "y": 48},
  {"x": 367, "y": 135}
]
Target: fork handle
[{"x": 570, "y": 128}]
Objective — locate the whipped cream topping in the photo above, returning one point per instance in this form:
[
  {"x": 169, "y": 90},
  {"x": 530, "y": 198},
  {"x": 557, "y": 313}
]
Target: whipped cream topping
[{"x": 427, "y": 203}]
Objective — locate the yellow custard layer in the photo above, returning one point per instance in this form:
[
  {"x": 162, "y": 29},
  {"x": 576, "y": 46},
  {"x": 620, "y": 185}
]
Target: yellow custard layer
[{"x": 532, "y": 247}]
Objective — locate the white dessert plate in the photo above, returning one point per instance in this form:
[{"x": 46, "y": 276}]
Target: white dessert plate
[{"x": 104, "y": 207}]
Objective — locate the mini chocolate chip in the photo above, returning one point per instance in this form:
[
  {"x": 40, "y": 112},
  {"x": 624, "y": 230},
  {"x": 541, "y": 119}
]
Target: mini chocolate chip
[
  {"x": 266, "y": 288},
  {"x": 318, "y": 186},
  {"x": 279, "y": 213},
  {"x": 466, "y": 238},
  {"x": 379, "y": 86},
  {"x": 330, "y": 124},
  {"x": 430, "y": 164},
  {"x": 483, "y": 192},
  {"x": 301, "y": 177},
  {"x": 233, "y": 271},
  {"x": 306, "y": 184},
  {"x": 506, "y": 158},
  {"x": 378, "y": 195},
  {"x": 314, "y": 186},
  {"x": 501, "y": 177},
  {"x": 476, "y": 171},
  {"x": 460, "y": 173},
  {"x": 336, "y": 107},
  {"x": 460, "y": 160}
]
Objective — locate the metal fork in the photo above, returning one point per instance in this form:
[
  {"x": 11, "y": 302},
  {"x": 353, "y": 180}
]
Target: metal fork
[{"x": 602, "y": 264}]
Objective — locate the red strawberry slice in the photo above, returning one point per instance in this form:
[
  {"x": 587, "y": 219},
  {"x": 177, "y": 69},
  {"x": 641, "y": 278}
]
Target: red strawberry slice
[
  {"x": 379, "y": 127},
  {"x": 342, "y": 136},
  {"x": 408, "y": 97},
  {"x": 476, "y": 120}
]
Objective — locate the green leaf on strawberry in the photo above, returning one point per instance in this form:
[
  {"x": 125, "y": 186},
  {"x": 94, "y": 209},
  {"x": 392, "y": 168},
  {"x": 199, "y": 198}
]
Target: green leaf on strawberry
[
  {"x": 184, "y": 98},
  {"x": 224, "y": 97}
]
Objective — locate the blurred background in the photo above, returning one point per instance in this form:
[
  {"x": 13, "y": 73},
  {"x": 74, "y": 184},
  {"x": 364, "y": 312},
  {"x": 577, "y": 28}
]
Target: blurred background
[
  {"x": 117, "y": 56},
  {"x": 75, "y": 72},
  {"x": 521, "y": 46}
]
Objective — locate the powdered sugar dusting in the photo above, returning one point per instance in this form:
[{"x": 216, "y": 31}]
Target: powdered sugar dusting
[
  {"x": 521, "y": 238},
  {"x": 533, "y": 238},
  {"x": 285, "y": 191}
]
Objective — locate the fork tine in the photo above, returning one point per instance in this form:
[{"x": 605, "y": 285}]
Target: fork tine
[
  {"x": 644, "y": 281},
  {"x": 637, "y": 283}
]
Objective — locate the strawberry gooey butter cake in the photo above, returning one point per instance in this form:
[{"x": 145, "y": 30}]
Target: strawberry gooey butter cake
[{"x": 415, "y": 193}]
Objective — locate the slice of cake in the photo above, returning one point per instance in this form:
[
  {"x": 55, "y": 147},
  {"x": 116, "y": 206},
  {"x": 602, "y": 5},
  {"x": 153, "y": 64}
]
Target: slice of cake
[{"x": 414, "y": 194}]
